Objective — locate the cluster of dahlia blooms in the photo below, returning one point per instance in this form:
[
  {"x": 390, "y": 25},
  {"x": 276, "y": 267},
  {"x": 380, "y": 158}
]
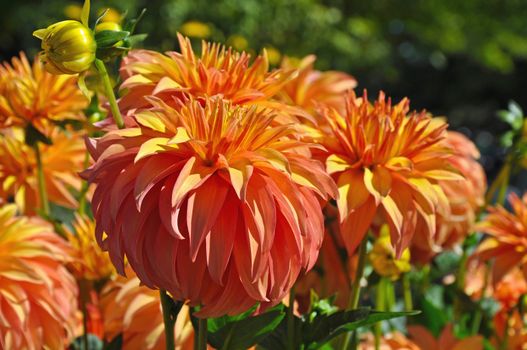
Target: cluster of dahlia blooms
[{"x": 228, "y": 187}]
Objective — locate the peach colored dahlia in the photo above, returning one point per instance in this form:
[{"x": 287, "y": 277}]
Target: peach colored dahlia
[
  {"x": 507, "y": 241},
  {"x": 312, "y": 87},
  {"x": 135, "y": 312},
  {"x": 210, "y": 201},
  {"x": 465, "y": 198},
  {"x": 38, "y": 296},
  {"x": 219, "y": 71},
  {"x": 386, "y": 162},
  {"x": 30, "y": 95},
  {"x": 18, "y": 169}
]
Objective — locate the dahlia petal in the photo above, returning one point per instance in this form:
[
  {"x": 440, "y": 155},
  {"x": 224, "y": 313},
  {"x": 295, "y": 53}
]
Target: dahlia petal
[
  {"x": 149, "y": 120},
  {"x": 203, "y": 208},
  {"x": 220, "y": 242},
  {"x": 239, "y": 178},
  {"x": 152, "y": 146},
  {"x": 190, "y": 177},
  {"x": 336, "y": 163},
  {"x": 354, "y": 227},
  {"x": 438, "y": 174},
  {"x": 350, "y": 198}
]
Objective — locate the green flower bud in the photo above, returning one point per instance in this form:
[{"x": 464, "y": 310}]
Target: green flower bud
[{"x": 68, "y": 47}]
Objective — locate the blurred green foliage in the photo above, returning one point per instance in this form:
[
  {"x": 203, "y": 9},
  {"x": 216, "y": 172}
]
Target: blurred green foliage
[{"x": 464, "y": 59}]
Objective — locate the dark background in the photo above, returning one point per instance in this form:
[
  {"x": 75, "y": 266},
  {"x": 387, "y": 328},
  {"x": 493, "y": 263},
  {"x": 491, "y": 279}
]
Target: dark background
[{"x": 461, "y": 59}]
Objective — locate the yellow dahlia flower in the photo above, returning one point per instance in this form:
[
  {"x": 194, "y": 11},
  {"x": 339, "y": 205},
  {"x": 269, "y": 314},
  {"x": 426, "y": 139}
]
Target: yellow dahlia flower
[
  {"x": 38, "y": 296},
  {"x": 384, "y": 261},
  {"x": 18, "y": 171},
  {"x": 386, "y": 163},
  {"x": 89, "y": 261},
  {"x": 30, "y": 95},
  {"x": 68, "y": 47}
]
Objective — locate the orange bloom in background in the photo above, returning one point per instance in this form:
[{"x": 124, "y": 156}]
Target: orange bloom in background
[
  {"x": 18, "y": 170},
  {"x": 135, "y": 311},
  {"x": 446, "y": 341},
  {"x": 517, "y": 332},
  {"x": 465, "y": 197},
  {"x": 507, "y": 243},
  {"x": 30, "y": 95},
  {"x": 220, "y": 71},
  {"x": 391, "y": 341},
  {"x": 211, "y": 202},
  {"x": 386, "y": 163},
  {"x": 89, "y": 261},
  {"x": 510, "y": 289},
  {"x": 312, "y": 87},
  {"x": 38, "y": 296}
]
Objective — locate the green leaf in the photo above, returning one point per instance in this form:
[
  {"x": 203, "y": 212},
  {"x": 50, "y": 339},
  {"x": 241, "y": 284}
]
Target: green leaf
[
  {"x": 85, "y": 14},
  {"x": 108, "y": 38},
  {"x": 115, "y": 344},
  {"x": 134, "y": 40},
  {"x": 347, "y": 321},
  {"x": 243, "y": 331},
  {"x": 94, "y": 343}
]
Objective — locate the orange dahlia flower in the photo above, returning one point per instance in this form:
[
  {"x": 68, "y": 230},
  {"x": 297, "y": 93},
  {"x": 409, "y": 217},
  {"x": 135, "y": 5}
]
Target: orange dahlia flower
[
  {"x": 507, "y": 241},
  {"x": 210, "y": 202},
  {"x": 386, "y": 163},
  {"x": 312, "y": 87},
  {"x": 446, "y": 341},
  {"x": 18, "y": 170},
  {"x": 89, "y": 261},
  {"x": 465, "y": 197},
  {"x": 391, "y": 341},
  {"x": 135, "y": 312},
  {"x": 30, "y": 95},
  {"x": 514, "y": 323},
  {"x": 38, "y": 296},
  {"x": 218, "y": 72}
]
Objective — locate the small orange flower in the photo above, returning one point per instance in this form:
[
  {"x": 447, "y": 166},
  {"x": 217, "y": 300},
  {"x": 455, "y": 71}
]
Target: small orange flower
[
  {"x": 507, "y": 243},
  {"x": 447, "y": 341},
  {"x": 386, "y": 163},
  {"x": 517, "y": 332},
  {"x": 89, "y": 261},
  {"x": 38, "y": 296},
  {"x": 18, "y": 170},
  {"x": 135, "y": 312},
  {"x": 510, "y": 289},
  {"x": 312, "y": 87},
  {"x": 30, "y": 95},
  {"x": 223, "y": 192},
  {"x": 465, "y": 197},
  {"x": 218, "y": 72}
]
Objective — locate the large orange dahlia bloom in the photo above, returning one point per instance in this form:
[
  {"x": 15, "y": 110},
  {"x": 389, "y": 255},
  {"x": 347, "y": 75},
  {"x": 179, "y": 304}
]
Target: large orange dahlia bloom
[
  {"x": 38, "y": 296},
  {"x": 446, "y": 341},
  {"x": 211, "y": 202},
  {"x": 135, "y": 312},
  {"x": 89, "y": 261},
  {"x": 507, "y": 241},
  {"x": 386, "y": 163},
  {"x": 465, "y": 198},
  {"x": 30, "y": 95},
  {"x": 311, "y": 87},
  {"x": 18, "y": 169},
  {"x": 390, "y": 341},
  {"x": 219, "y": 71}
]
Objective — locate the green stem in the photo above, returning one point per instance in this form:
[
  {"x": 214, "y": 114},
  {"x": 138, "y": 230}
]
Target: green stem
[
  {"x": 169, "y": 319},
  {"x": 478, "y": 315},
  {"x": 407, "y": 290},
  {"x": 41, "y": 183},
  {"x": 380, "y": 304},
  {"x": 202, "y": 334},
  {"x": 109, "y": 93},
  {"x": 353, "y": 301},
  {"x": 291, "y": 321}
]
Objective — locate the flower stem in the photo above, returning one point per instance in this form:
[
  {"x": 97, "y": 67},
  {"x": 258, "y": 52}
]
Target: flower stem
[
  {"x": 169, "y": 319},
  {"x": 202, "y": 334},
  {"x": 109, "y": 93},
  {"x": 41, "y": 183},
  {"x": 291, "y": 321},
  {"x": 84, "y": 187},
  {"x": 84, "y": 287},
  {"x": 380, "y": 305},
  {"x": 407, "y": 290},
  {"x": 353, "y": 301}
]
